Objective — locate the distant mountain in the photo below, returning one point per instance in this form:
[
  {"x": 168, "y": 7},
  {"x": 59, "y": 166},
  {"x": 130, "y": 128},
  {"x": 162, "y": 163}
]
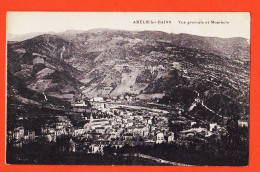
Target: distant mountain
[
  {"x": 103, "y": 62},
  {"x": 235, "y": 48},
  {"x": 22, "y": 37}
]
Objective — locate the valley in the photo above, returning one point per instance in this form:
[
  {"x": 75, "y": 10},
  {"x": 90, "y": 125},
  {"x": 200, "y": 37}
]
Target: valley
[{"x": 101, "y": 88}]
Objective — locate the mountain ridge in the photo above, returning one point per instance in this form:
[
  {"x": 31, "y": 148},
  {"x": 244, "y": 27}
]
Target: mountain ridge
[{"x": 110, "y": 63}]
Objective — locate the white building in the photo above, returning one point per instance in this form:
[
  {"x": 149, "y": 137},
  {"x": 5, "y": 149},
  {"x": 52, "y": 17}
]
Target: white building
[
  {"x": 95, "y": 148},
  {"x": 31, "y": 136},
  {"x": 242, "y": 123},
  {"x": 18, "y": 133},
  {"x": 192, "y": 123},
  {"x": 80, "y": 104},
  {"x": 171, "y": 138},
  {"x": 160, "y": 138},
  {"x": 212, "y": 126},
  {"x": 97, "y": 99},
  {"x": 94, "y": 123},
  {"x": 79, "y": 131}
]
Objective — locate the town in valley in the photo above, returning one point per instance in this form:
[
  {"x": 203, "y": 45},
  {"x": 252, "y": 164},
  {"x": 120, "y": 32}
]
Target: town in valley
[{"x": 112, "y": 97}]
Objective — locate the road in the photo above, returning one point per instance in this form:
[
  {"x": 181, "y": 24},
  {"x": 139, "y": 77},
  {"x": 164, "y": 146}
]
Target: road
[{"x": 156, "y": 159}]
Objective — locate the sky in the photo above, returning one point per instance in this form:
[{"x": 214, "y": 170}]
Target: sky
[{"x": 234, "y": 24}]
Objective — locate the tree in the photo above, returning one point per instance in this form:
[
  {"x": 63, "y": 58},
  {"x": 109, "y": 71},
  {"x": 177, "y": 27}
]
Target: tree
[{"x": 110, "y": 150}]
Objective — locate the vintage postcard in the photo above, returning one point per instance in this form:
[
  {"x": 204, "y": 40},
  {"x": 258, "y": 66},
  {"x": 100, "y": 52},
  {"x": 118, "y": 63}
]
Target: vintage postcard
[{"x": 128, "y": 88}]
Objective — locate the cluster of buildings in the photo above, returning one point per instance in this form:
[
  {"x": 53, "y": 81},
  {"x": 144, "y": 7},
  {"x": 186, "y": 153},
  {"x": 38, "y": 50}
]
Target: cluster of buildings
[
  {"x": 18, "y": 137},
  {"x": 98, "y": 128},
  {"x": 109, "y": 124},
  {"x": 124, "y": 126}
]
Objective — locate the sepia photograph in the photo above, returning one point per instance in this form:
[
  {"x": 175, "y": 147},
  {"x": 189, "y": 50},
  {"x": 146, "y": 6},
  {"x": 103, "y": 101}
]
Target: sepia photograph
[{"x": 128, "y": 88}]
